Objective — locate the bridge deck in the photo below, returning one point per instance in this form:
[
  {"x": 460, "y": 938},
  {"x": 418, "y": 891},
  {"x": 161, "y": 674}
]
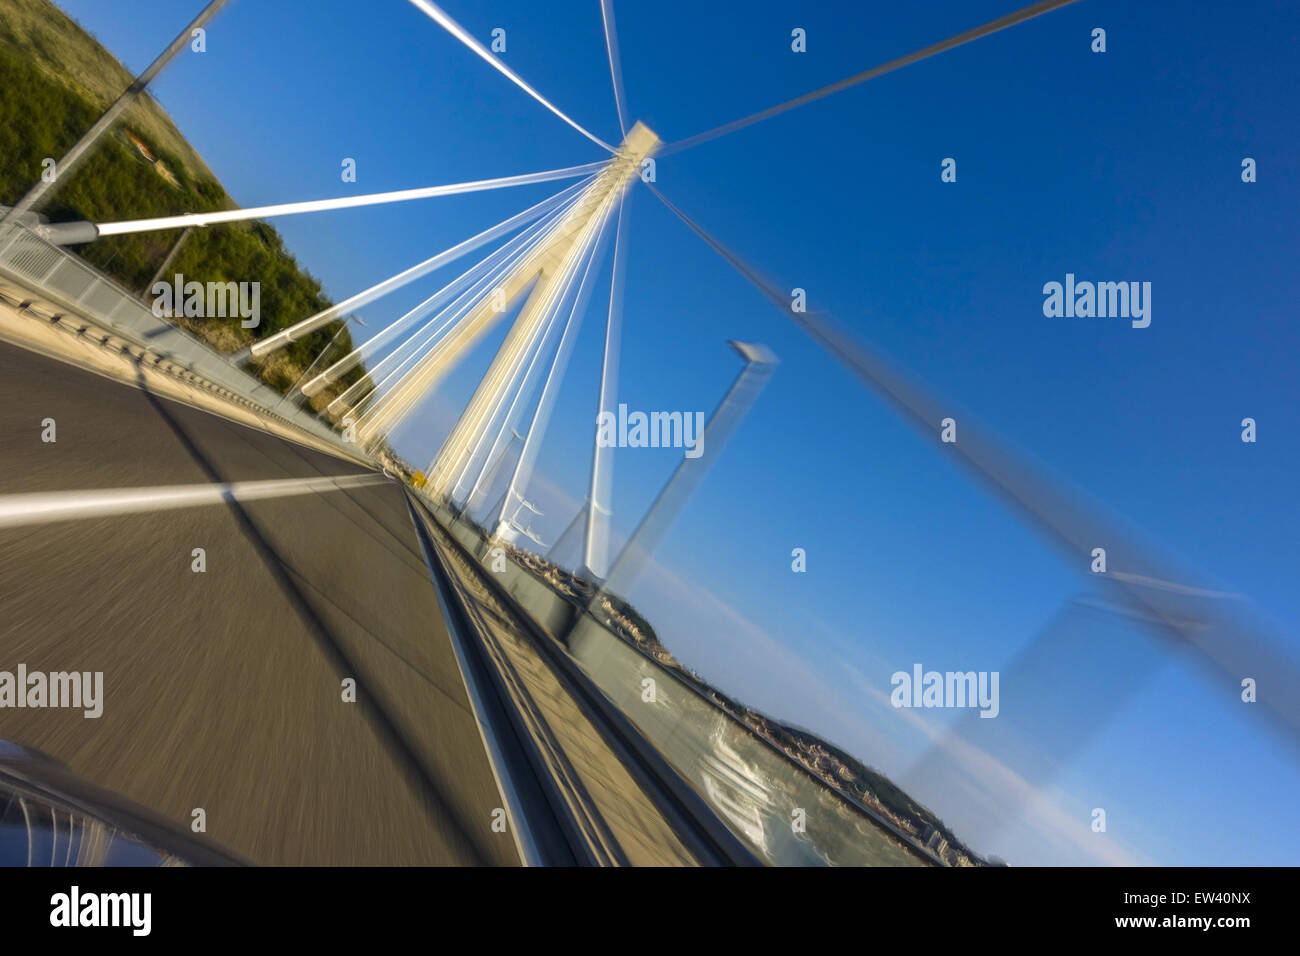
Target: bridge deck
[{"x": 222, "y": 689}]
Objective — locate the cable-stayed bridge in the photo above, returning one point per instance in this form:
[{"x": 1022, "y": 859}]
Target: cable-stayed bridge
[{"x": 493, "y": 715}]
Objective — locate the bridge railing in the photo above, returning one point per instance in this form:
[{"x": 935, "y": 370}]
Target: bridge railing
[
  {"x": 776, "y": 807},
  {"x": 72, "y": 284}
]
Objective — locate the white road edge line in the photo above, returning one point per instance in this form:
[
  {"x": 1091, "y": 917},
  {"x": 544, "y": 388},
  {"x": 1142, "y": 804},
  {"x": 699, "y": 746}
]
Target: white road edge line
[{"x": 44, "y": 507}]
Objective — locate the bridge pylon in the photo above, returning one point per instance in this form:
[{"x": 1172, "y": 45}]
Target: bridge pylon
[{"x": 547, "y": 272}]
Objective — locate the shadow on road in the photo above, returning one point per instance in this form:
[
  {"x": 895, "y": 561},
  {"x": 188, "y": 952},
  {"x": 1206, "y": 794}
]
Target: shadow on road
[{"x": 421, "y": 777}]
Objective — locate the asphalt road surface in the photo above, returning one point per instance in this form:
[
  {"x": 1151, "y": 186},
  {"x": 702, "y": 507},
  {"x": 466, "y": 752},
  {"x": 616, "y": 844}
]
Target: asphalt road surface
[{"x": 223, "y": 689}]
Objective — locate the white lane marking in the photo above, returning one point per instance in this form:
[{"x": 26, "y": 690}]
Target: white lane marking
[{"x": 42, "y": 507}]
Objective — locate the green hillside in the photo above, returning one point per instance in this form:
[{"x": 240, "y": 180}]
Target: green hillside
[{"x": 55, "y": 80}]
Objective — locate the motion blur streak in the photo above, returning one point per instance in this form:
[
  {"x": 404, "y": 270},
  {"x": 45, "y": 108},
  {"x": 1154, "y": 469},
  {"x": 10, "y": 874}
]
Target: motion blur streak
[{"x": 68, "y": 505}]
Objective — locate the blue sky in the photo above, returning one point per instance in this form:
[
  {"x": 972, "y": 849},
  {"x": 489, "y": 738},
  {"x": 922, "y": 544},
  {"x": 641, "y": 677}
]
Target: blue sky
[{"x": 1115, "y": 166}]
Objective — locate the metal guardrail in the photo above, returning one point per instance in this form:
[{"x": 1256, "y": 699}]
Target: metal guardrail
[
  {"x": 539, "y": 833},
  {"x": 72, "y": 284},
  {"x": 704, "y": 837}
]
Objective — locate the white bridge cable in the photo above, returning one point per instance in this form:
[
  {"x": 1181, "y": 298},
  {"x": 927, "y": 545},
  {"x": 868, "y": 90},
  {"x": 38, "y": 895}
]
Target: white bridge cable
[
  {"x": 461, "y": 445},
  {"x": 413, "y": 349},
  {"x": 340, "y": 202},
  {"x": 439, "y": 16},
  {"x": 407, "y": 276},
  {"x": 552, "y": 259},
  {"x": 554, "y": 287},
  {"x": 541, "y": 416},
  {"x": 489, "y": 475},
  {"x": 519, "y": 388},
  {"x": 385, "y": 416},
  {"x": 599, "y": 508},
  {"x": 520, "y": 384},
  {"x": 433, "y": 332},
  {"x": 934, "y": 49},
  {"x": 353, "y": 358},
  {"x": 403, "y": 396},
  {"x": 615, "y": 64}
]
